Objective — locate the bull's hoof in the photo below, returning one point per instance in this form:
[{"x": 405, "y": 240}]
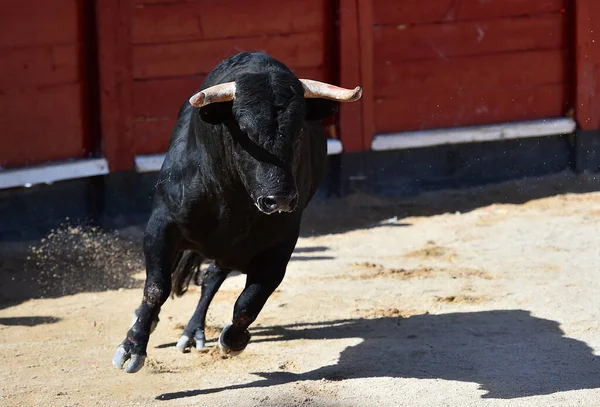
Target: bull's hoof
[
  {"x": 232, "y": 341},
  {"x": 124, "y": 354},
  {"x": 198, "y": 342}
]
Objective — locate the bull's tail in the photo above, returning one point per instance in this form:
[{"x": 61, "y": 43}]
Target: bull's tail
[{"x": 188, "y": 266}]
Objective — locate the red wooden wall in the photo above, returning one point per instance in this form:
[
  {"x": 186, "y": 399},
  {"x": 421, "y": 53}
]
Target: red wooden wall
[
  {"x": 466, "y": 63},
  {"x": 587, "y": 52},
  {"x": 42, "y": 106},
  {"x": 444, "y": 64}
]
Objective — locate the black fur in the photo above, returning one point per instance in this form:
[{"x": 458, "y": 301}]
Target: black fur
[{"x": 268, "y": 141}]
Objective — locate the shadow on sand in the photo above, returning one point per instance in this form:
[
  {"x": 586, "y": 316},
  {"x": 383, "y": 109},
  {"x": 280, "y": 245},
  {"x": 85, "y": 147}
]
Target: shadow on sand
[{"x": 509, "y": 353}]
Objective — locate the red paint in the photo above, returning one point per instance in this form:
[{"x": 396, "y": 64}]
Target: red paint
[
  {"x": 393, "y": 12},
  {"x": 365, "y": 26},
  {"x": 27, "y": 23},
  {"x": 442, "y": 41},
  {"x": 194, "y": 21},
  {"x": 465, "y": 75},
  {"x": 115, "y": 68},
  {"x": 152, "y": 134},
  {"x": 43, "y": 65},
  {"x": 303, "y": 50},
  {"x": 42, "y": 111},
  {"x": 40, "y": 125},
  {"x": 431, "y": 110},
  {"x": 350, "y": 116},
  {"x": 480, "y": 65},
  {"x": 587, "y": 106}
]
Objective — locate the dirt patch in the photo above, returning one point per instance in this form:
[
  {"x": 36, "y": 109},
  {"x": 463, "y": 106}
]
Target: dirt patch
[
  {"x": 209, "y": 356},
  {"x": 461, "y": 299},
  {"x": 374, "y": 270},
  {"x": 157, "y": 367},
  {"x": 433, "y": 251}
]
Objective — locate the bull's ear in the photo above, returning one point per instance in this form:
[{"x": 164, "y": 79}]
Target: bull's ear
[
  {"x": 216, "y": 113},
  {"x": 319, "y": 109}
]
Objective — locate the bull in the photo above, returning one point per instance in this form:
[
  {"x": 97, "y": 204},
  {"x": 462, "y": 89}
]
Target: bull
[{"x": 245, "y": 157}]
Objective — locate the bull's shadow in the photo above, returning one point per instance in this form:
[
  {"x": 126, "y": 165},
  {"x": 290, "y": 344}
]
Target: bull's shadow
[{"x": 510, "y": 353}]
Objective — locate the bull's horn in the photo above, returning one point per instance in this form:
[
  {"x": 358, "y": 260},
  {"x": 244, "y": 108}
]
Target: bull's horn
[
  {"x": 316, "y": 89},
  {"x": 223, "y": 92}
]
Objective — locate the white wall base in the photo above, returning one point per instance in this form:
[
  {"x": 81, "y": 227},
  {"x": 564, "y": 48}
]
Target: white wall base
[
  {"x": 460, "y": 135},
  {"x": 152, "y": 163},
  {"x": 47, "y": 174}
]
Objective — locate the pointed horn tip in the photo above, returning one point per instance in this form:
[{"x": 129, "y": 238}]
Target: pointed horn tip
[
  {"x": 356, "y": 95},
  {"x": 197, "y": 100}
]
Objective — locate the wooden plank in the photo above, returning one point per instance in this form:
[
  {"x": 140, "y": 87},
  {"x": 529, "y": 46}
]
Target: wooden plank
[
  {"x": 115, "y": 81},
  {"x": 318, "y": 73},
  {"x": 587, "y": 110},
  {"x": 394, "y": 12},
  {"x": 34, "y": 22},
  {"x": 430, "y": 110},
  {"x": 189, "y": 21},
  {"x": 32, "y": 67},
  {"x": 441, "y": 41},
  {"x": 365, "y": 27},
  {"x": 139, "y": 3},
  {"x": 162, "y": 98},
  {"x": 41, "y": 125},
  {"x": 350, "y": 114},
  {"x": 152, "y": 135},
  {"x": 464, "y": 75},
  {"x": 303, "y": 50}
]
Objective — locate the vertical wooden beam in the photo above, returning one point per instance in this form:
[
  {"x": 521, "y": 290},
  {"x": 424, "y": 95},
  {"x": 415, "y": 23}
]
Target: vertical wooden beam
[
  {"x": 351, "y": 127},
  {"x": 88, "y": 71},
  {"x": 587, "y": 26},
  {"x": 365, "y": 29},
  {"x": 113, "y": 22}
]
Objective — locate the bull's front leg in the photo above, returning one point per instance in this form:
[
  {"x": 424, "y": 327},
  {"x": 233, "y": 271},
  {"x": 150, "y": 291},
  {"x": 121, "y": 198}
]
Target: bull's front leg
[
  {"x": 161, "y": 245},
  {"x": 193, "y": 334},
  {"x": 263, "y": 276}
]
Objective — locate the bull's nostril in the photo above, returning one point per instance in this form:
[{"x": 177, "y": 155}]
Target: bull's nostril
[{"x": 270, "y": 203}]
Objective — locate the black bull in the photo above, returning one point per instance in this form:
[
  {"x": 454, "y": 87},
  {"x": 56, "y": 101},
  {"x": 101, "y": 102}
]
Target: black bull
[{"x": 246, "y": 156}]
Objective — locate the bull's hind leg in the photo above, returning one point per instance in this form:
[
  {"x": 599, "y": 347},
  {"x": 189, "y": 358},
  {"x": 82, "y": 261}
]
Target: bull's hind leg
[
  {"x": 264, "y": 275},
  {"x": 161, "y": 245},
  {"x": 193, "y": 334}
]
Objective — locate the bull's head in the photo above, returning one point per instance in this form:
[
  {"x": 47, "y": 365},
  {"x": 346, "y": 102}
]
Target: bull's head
[{"x": 266, "y": 114}]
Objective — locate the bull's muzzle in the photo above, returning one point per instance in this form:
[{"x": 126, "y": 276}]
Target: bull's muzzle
[{"x": 275, "y": 203}]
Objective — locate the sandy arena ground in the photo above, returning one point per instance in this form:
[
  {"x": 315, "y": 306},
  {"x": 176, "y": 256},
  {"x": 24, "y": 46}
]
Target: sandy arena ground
[{"x": 484, "y": 297}]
